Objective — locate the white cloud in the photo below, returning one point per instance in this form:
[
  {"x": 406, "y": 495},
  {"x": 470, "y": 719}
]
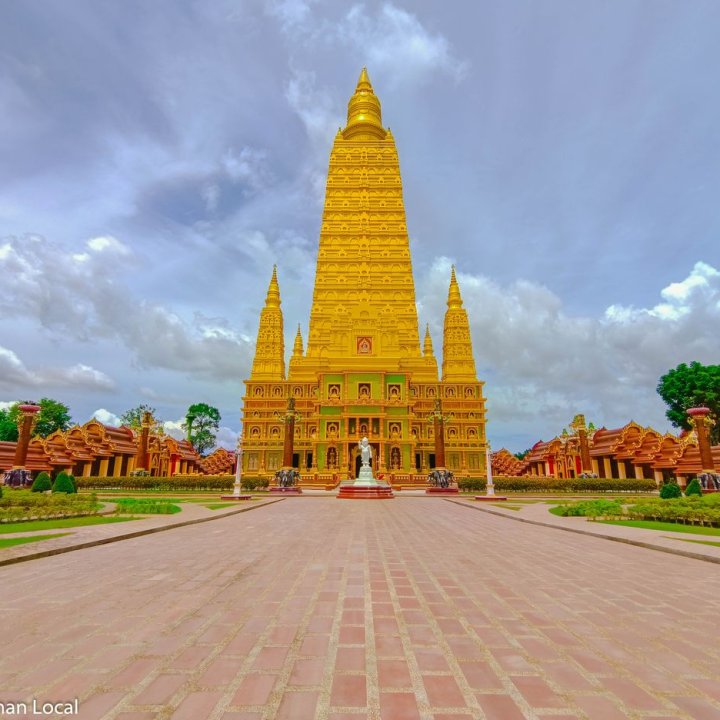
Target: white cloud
[
  {"x": 91, "y": 303},
  {"x": 397, "y": 43},
  {"x": 173, "y": 428},
  {"x": 543, "y": 365},
  {"x": 14, "y": 373},
  {"x": 226, "y": 438},
  {"x": 107, "y": 418}
]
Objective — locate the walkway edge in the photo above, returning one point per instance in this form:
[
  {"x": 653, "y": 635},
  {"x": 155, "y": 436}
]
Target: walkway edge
[
  {"x": 626, "y": 541},
  {"x": 130, "y": 536}
]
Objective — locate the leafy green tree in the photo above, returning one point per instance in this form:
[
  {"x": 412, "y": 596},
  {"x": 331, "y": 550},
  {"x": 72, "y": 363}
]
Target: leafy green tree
[
  {"x": 201, "y": 424},
  {"x": 689, "y": 386},
  {"x": 53, "y": 415},
  {"x": 133, "y": 417},
  {"x": 8, "y": 428},
  {"x": 522, "y": 455}
]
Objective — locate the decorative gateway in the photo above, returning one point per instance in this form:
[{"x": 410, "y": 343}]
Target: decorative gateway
[{"x": 364, "y": 370}]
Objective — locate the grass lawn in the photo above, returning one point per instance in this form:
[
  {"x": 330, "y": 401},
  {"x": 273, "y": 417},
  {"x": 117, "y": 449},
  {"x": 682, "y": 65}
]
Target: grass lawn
[
  {"x": 11, "y": 542},
  {"x": 146, "y": 506},
  {"x": 60, "y": 523},
  {"x": 665, "y": 526},
  {"x": 697, "y": 542}
]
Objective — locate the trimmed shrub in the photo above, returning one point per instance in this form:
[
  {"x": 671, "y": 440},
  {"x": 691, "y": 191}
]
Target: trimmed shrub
[
  {"x": 64, "y": 483},
  {"x": 0, "y": 491},
  {"x": 255, "y": 483},
  {"x": 42, "y": 483},
  {"x": 162, "y": 484},
  {"x": 693, "y": 488},
  {"x": 531, "y": 484},
  {"x": 670, "y": 490}
]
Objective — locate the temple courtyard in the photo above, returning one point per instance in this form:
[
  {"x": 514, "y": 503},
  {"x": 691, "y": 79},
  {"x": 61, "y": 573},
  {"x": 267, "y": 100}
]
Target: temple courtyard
[{"x": 317, "y": 608}]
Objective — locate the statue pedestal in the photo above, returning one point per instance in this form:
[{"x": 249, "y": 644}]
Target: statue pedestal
[
  {"x": 291, "y": 490},
  {"x": 441, "y": 491},
  {"x": 366, "y": 487},
  {"x": 236, "y": 497},
  {"x": 490, "y": 498}
]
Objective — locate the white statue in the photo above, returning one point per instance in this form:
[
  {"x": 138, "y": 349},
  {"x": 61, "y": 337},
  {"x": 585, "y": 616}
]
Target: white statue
[{"x": 365, "y": 452}]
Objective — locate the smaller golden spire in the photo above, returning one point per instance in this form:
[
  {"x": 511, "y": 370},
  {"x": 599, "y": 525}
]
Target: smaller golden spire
[
  {"x": 273, "y": 294},
  {"x": 428, "y": 346},
  {"x": 298, "y": 347},
  {"x": 454, "y": 298}
]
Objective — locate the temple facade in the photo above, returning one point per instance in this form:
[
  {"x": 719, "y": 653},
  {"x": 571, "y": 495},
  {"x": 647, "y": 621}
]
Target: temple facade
[{"x": 364, "y": 371}]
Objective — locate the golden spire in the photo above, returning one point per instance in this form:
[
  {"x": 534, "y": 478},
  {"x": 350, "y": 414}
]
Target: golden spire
[
  {"x": 364, "y": 118},
  {"x": 273, "y": 294},
  {"x": 458, "y": 361},
  {"x": 269, "y": 362},
  {"x": 428, "y": 346},
  {"x": 297, "y": 355},
  {"x": 298, "y": 347},
  {"x": 454, "y": 299}
]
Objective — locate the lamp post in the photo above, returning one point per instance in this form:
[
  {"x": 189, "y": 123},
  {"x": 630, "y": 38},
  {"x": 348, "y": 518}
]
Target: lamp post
[
  {"x": 238, "y": 466},
  {"x": 489, "y": 487}
]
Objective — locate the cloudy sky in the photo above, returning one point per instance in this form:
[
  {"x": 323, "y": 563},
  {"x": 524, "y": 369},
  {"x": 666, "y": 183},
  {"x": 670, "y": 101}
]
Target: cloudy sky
[{"x": 157, "y": 158}]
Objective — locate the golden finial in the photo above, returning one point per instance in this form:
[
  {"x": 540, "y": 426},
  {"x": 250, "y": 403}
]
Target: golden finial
[
  {"x": 454, "y": 299},
  {"x": 273, "y": 294},
  {"x": 364, "y": 114}
]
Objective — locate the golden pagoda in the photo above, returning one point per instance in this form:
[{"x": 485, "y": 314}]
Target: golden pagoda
[{"x": 363, "y": 372}]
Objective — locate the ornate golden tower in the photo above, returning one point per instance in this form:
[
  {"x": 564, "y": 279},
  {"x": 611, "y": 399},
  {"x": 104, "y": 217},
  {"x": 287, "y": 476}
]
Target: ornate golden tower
[{"x": 363, "y": 372}]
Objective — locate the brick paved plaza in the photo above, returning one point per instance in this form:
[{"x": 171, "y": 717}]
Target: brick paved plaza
[{"x": 319, "y": 608}]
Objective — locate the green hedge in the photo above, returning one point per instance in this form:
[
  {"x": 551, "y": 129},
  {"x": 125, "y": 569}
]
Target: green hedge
[
  {"x": 163, "y": 484},
  {"x": 559, "y": 485},
  {"x": 27, "y": 505},
  {"x": 695, "y": 510}
]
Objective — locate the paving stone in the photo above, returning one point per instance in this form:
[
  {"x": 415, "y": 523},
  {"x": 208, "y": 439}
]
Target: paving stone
[{"x": 415, "y": 608}]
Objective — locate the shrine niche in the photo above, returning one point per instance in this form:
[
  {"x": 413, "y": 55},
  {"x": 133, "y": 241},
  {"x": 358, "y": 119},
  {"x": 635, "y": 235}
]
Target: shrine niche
[
  {"x": 364, "y": 391},
  {"x": 395, "y": 458},
  {"x": 364, "y": 345},
  {"x": 394, "y": 393},
  {"x": 332, "y": 458},
  {"x": 394, "y": 429},
  {"x": 332, "y": 429},
  {"x": 334, "y": 392},
  {"x": 258, "y": 392}
]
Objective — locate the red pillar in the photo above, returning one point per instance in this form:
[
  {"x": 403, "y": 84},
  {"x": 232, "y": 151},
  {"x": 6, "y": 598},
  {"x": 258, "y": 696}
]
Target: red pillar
[
  {"x": 27, "y": 418},
  {"x": 699, "y": 417}
]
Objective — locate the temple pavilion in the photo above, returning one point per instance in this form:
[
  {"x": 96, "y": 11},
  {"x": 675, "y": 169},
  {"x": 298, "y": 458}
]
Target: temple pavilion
[{"x": 364, "y": 370}]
